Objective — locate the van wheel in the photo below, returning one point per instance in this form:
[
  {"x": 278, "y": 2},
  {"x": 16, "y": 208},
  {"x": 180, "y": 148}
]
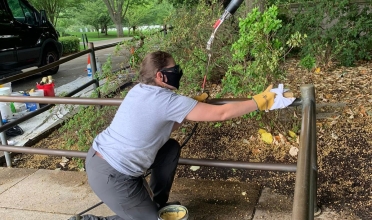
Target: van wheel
[{"x": 50, "y": 55}]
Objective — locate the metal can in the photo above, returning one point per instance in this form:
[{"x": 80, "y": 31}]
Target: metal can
[{"x": 173, "y": 212}]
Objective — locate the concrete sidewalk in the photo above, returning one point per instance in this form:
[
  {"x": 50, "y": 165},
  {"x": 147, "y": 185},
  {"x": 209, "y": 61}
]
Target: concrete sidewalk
[{"x": 52, "y": 194}]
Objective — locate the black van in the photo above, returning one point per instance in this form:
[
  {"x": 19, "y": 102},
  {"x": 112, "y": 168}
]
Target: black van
[{"x": 27, "y": 38}]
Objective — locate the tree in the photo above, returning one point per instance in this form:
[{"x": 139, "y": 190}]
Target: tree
[
  {"x": 115, "y": 10},
  {"x": 136, "y": 13},
  {"x": 94, "y": 13},
  {"x": 147, "y": 13},
  {"x": 53, "y": 8}
]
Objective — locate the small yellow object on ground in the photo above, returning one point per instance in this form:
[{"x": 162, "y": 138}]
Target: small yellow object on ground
[
  {"x": 292, "y": 134},
  {"x": 267, "y": 138},
  {"x": 261, "y": 131}
]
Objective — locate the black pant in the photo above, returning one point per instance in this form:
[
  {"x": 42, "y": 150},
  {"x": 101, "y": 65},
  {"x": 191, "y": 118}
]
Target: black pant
[{"x": 126, "y": 195}]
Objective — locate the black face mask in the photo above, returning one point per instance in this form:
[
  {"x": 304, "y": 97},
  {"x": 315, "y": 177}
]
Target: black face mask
[{"x": 173, "y": 74}]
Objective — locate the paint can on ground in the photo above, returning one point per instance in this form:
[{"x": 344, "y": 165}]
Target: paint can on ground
[
  {"x": 48, "y": 89},
  {"x": 6, "y": 112},
  {"x": 173, "y": 212},
  {"x": 31, "y": 106},
  {"x": 5, "y": 91},
  {"x": 9, "y": 84}
]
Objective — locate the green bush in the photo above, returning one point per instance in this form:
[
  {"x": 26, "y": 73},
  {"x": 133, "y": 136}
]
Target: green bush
[
  {"x": 243, "y": 69},
  {"x": 70, "y": 44},
  {"x": 337, "y": 30},
  {"x": 258, "y": 53}
]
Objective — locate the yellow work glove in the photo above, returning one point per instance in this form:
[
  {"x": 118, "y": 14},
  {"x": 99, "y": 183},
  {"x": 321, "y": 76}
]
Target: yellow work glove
[
  {"x": 265, "y": 99},
  {"x": 202, "y": 97}
]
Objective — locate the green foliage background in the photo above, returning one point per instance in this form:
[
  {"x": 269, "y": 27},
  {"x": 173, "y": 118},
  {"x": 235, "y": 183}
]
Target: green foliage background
[
  {"x": 338, "y": 30},
  {"x": 70, "y": 44}
]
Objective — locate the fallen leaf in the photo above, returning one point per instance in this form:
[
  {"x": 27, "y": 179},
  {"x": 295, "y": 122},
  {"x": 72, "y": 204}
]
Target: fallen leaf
[
  {"x": 293, "y": 151},
  {"x": 267, "y": 138},
  {"x": 334, "y": 136},
  {"x": 276, "y": 142},
  {"x": 292, "y": 134},
  {"x": 282, "y": 138},
  {"x": 362, "y": 70},
  {"x": 65, "y": 160},
  {"x": 328, "y": 96},
  {"x": 261, "y": 131},
  {"x": 194, "y": 168},
  {"x": 362, "y": 111},
  {"x": 256, "y": 151},
  {"x": 317, "y": 70},
  {"x": 295, "y": 115}
]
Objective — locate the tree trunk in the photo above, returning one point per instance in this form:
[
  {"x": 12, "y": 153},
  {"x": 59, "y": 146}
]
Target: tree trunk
[
  {"x": 115, "y": 9},
  {"x": 119, "y": 29}
]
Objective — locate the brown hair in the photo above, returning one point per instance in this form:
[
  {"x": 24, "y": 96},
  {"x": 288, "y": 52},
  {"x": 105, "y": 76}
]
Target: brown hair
[{"x": 151, "y": 64}]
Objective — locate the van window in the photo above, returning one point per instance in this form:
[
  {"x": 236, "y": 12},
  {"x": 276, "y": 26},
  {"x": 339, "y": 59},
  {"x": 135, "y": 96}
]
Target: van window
[
  {"x": 4, "y": 17},
  {"x": 21, "y": 12}
]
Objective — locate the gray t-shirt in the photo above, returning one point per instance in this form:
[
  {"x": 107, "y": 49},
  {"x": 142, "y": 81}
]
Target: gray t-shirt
[{"x": 141, "y": 126}]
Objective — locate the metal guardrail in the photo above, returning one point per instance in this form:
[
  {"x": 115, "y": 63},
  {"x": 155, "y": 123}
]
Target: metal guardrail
[{"x": 304, "y": 203}]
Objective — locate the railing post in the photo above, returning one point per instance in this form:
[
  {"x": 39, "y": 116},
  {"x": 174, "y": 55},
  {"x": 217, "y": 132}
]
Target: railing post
[
  {"x": 86, "y": 38},
  {"x": 82, "y": 37},
  {"x": 303, "y": 203},
  {"x": 314, "y": 158},
  {"x": 93, "y": 64},
  {"x": 8, "y": 159},
  {"x": 310, "y": 93},
  {"x": 92, "y": 58}
]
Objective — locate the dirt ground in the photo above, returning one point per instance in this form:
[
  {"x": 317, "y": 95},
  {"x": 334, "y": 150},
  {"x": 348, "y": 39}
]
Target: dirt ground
[{"x": 343, "y": 97}]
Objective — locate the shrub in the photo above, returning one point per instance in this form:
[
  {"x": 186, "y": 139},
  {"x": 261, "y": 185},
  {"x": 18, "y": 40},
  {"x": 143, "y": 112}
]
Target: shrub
[
  {"x": 258, "y": 53},
  {"x": 337, "y": 30},
  {"x": 70, "y": 44},
  {"x": 253, "y": 38}
]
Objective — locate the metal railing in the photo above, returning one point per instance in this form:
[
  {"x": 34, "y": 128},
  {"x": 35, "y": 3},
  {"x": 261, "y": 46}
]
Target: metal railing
[{"x": 304, "y": 203}]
